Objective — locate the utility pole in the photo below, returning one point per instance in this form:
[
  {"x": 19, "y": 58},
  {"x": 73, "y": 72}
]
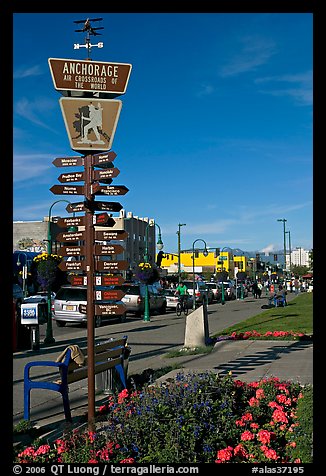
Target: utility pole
[
  {"x": 284, "y": 239},
  {"x": 179, "y": 250},
  {"x": 290, "y": 250}
]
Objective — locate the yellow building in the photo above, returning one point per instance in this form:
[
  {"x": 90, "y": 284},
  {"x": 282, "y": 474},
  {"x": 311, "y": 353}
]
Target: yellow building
[{"x": 214, "y": 262}]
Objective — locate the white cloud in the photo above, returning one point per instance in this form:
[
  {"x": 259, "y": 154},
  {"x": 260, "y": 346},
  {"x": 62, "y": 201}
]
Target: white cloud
[
  {"x": 254, "y": 52},
  {"x": 36, "y": 70}
]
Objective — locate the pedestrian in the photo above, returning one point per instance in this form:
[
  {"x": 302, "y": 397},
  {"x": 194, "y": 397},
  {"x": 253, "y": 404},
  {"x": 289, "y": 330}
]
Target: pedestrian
[
  {"x": 296, "y": 286},
  {"x": 255, "y": 289}
]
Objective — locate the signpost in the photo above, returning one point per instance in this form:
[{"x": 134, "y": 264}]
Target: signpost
[{"x": 91, "y": 116}]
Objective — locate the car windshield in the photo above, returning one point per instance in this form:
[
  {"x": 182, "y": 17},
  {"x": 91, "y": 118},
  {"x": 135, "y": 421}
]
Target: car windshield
[
  {"x": 129, "y": 289},
  {"x": 72, "y": 294}
]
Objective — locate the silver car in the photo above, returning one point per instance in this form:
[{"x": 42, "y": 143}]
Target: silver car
[
  {"x": 134, "y": 298},
  {"x": 66, "y": 307},
  {"x": 172, "y": 300}
]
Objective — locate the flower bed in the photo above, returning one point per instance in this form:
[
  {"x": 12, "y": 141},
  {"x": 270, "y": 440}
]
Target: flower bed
[{"x": 198, "y": 418}]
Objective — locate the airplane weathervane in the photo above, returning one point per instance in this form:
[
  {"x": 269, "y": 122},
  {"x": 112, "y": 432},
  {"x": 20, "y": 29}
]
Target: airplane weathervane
[{"x": 87, "y": 27}]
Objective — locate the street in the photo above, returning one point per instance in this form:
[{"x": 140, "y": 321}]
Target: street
[{"x": 149, "y": 341}]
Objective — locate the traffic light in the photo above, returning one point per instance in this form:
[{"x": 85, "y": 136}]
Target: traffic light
[
  {"x": 275, "y": 257},
  {"x": 159, "y": 258}
]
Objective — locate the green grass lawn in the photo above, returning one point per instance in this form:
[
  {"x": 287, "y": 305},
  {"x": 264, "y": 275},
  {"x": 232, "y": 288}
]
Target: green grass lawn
[{"x": 297, "y": 316}]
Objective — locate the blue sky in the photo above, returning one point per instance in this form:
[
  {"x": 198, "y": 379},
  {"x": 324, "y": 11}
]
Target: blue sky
[{"x": 215, "y": 129}]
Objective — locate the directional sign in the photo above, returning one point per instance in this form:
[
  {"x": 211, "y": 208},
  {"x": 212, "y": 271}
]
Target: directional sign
[
  {"x": 104, "y": 159},
  {"x": 78, "y": 280},
  {"x": 68, "y": 161},
  {"x": 107, "y": 309},
  {"x": 111, "y": 265},
  {"x": 75, "y": 207},
  {"x": 97, "y": 189},
  {"x": 103, "y": 219},
  {"x": 73, "y": 177},
  {"x": 113, "y": 280},
  {"x": 70, "y": 236},
  {"x": 103, "y": 175},
  {"x": 71, "y": 251},
  {"x": 90, "y": 123},
  {"x": 72, "y": 265},
  {"x": 71, "y": 221},
  {"x": 68, "y": 189},
  {"x": 108, "y": 295},
  {"x": 110, "y": 235},
  {"x": 107, "y": 206},
  {"x": 108, "y": 249},
  {"x": 94, "y": 76}
]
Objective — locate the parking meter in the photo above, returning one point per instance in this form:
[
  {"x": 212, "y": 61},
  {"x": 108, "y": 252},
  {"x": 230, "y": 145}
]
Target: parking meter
[{"x": 32, "y": 315}]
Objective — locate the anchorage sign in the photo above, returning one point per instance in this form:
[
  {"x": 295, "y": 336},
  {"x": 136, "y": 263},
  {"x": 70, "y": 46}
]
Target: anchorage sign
[{"x": 75, "y": 75}]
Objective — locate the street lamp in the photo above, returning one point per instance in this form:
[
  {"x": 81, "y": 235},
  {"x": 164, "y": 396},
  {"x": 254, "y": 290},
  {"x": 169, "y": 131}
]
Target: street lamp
[
  {"x": 24, "y": 271},
  {"x": 205, "y": 253},
  {"x": 223, "y": 295},
  {"x": 49, "y": 339},
  {"x": 284, "y": 240},
  {"x": 146, "y": 260},
  {"x": 179, "y": 250},
  {"x": 290, "y": 250},
  {"x": 241, "y": 285}
]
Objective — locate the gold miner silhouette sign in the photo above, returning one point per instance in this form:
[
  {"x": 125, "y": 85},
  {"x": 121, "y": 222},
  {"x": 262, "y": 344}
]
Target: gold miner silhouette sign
[{"x": 91, "y": 122}]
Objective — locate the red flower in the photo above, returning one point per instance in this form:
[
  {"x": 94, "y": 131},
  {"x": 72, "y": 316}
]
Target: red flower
[
  {"x": 247, "y": 436},
  {"x": 279, "y": 416},
  {"x": 128, "y": 460},
  {"x": 225, "y": 455}
]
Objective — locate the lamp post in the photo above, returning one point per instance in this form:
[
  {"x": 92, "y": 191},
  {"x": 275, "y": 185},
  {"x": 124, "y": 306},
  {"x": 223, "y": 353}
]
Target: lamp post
[
  {"x": 49, "y": 339},
  {"x": 205, "y": 253},
  {"x": 290, "y": 250},
  {"x": 24, "y": 271},
  {"x": 241, "y": 285},
  {"x": 179, "y": 250},
  {"x": 284, "y": 240},
  {"x": 146, "y": 260}
]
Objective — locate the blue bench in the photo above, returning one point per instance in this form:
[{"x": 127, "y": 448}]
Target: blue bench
[{"x": 112, "y": 354}]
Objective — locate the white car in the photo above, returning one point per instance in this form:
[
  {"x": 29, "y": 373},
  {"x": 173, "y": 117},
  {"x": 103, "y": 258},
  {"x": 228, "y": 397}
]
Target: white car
[{"x": 172, "y": 299}]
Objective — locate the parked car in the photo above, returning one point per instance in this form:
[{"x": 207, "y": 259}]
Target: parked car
[
  {"x": 172, "y": 299},
  {"x": 66, "y": 307},
  {"x": 201, "y": 291},
  {"x": 134, "y": 298},
  {"x": 216, "y": 290},
  {"x": 229, "y": 290}
]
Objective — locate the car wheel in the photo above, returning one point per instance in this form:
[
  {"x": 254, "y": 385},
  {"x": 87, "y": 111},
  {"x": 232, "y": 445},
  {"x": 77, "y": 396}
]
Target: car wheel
[
  {"x": 123, "y": 317},
  {"x": 138, "y": 313},
  {"x": 60, "y": 323},
  {"x": 98, "y": 321}
]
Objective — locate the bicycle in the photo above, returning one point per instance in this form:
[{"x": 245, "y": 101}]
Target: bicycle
[{"x": 182, "y": 306}]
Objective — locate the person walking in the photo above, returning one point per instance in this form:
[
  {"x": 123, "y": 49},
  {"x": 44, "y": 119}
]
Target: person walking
[{"x": 296, "y": 286}]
